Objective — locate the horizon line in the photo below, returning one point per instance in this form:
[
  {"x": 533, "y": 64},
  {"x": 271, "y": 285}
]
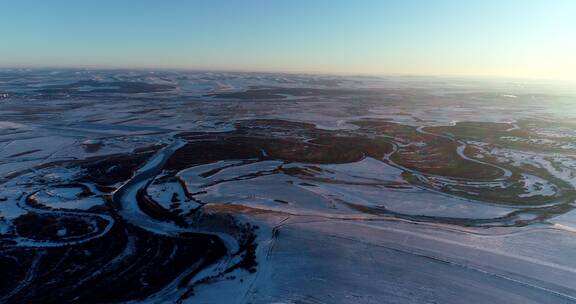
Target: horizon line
[{"x": 280, "y": 71}]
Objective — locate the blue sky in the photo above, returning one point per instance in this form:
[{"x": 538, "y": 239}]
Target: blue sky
[{"x": 528, "y": 38}]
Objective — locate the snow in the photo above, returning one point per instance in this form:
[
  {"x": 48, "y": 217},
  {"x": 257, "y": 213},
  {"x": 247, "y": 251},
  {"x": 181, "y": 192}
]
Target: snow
[
  {"x": 385, "y": 262},
  {"x": 163, "y": 193},
  {"x": 67, "y": 198},
  {"x": 536, "y": 186},
  {"x": 362, "y": 183},
  {"x": 40, "y": 147},
  {"x": 316, "y": 242}
]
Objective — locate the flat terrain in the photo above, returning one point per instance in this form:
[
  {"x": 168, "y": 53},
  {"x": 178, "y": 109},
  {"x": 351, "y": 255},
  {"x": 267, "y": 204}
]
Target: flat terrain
[{"x": 177, "y": 187}]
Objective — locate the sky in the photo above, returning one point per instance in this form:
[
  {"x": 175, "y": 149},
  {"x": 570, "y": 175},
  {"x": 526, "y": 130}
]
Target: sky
[{"x": 502, "y": 38}]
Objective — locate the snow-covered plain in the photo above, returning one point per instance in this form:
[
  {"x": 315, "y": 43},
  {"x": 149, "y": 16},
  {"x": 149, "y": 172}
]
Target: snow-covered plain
[{"x": 83, "y": 158}]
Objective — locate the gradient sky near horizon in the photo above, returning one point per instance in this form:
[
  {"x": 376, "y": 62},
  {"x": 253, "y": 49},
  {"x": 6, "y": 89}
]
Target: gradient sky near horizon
[{"x": 506, "y": 38}]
